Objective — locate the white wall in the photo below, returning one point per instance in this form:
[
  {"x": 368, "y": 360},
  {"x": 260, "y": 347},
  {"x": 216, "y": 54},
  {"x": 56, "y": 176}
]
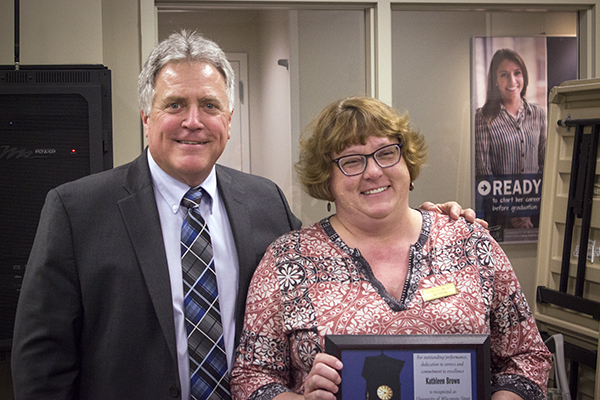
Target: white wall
[
  {"x": 271, "y": 141},
  {"x": 42, "y": 22},
  {"x": 84, "y": 32},
  {"x": 121, "y": 54}
]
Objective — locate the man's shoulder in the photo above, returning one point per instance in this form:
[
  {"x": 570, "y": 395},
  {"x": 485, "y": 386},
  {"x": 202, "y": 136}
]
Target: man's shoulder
[
  {"x": 243, "y": 179},
  {"x": 99, "y": 183},
  {"x": 263, "y": 199},
  {"x": 96, "y": 179}
]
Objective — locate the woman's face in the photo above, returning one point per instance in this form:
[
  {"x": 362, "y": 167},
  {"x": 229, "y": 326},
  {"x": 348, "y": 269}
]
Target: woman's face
[
  {"x": 509, "y": 79},
  {"x": 374, "y": 194}
]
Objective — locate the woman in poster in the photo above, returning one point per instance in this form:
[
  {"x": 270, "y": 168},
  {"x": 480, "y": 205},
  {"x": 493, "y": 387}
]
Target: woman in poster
[
  {"x": 377, "y": 266},
  {"x": 510, "y": 132}
]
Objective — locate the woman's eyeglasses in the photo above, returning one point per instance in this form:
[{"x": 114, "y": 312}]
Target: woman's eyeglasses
[{"x": 355, "y": 164}]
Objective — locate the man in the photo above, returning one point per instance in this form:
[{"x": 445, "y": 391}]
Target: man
[{"x": 101, "y": 310}]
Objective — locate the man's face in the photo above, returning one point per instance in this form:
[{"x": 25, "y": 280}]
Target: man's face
[{"x": 188, "y": 126}]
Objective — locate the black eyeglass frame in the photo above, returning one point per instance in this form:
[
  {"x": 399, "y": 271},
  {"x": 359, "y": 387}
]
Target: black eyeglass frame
[{"x": 366, "y": 158}]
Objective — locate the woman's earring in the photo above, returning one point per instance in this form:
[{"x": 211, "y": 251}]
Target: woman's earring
[
  {"x": 411, "y": 187},
  {"x": 328, "y": 206}
]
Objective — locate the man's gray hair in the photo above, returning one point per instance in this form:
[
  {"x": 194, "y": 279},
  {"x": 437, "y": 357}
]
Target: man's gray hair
[{"x": 182, "y": 46}]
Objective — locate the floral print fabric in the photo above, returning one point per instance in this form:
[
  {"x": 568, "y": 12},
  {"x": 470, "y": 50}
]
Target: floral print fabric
[{"x": 311, "y": 284}]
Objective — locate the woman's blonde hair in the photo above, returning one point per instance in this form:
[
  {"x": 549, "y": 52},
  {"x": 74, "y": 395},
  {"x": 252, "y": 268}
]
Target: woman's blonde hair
[{"x": 348, "y": 122}]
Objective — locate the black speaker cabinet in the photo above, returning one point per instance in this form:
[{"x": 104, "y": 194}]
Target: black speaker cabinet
[{"x": 55, "y": 127}]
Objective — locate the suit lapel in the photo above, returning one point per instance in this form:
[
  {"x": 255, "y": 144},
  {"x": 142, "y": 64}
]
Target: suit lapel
[
  {"x": 140, "y": 214},
  {"x": 239, "y": 218}
]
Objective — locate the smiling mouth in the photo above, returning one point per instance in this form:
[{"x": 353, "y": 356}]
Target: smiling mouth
[
  {"x": 375, "y": 191},
  {"x": 188, "y": 142}
]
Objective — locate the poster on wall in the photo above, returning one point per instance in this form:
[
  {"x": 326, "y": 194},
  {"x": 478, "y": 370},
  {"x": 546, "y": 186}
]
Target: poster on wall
[{"x": 511, "y": 80}]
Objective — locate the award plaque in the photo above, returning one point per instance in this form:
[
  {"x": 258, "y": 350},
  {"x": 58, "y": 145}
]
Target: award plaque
[{"x": 412, "y": 367}]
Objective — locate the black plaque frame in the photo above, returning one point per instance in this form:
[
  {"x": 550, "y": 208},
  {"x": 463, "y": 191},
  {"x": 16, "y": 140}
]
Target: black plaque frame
[{"x": 480, "y": 344}]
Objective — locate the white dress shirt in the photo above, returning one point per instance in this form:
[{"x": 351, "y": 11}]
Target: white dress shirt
[{"x": 169, "y": 192}]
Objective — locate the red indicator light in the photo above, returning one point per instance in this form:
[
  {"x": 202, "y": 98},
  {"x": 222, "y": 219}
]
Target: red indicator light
[{"x": 73, "y": 151}]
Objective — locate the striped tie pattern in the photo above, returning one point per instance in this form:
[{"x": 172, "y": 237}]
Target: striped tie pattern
[{"x": 208, "y": 361}]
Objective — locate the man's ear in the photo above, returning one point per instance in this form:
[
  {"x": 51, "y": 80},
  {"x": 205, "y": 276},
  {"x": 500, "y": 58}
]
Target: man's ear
[
  {"x": 229, "y": 123},
  {"x": 144, "y": 122}
]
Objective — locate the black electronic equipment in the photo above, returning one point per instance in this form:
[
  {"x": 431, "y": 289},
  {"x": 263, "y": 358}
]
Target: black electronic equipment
[{"x": 55, "y": 127}]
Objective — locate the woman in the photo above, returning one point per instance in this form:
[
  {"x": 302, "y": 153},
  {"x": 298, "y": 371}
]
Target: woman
[
  {"x": 510, "y": 132},
  {"x": 361, "y": 270}
]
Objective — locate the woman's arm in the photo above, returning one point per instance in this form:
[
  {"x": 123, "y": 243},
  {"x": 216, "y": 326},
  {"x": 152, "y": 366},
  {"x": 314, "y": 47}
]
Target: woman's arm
[
  {"x": 520, "y": 359},
  {"x": 262, "y": 358}
]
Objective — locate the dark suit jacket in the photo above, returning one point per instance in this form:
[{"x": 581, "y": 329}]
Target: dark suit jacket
[{"x": 95, "y": 316}]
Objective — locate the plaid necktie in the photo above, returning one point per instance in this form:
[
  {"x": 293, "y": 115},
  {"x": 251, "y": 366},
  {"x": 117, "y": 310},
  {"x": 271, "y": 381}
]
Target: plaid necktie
[{"x": 208, "y": 361}]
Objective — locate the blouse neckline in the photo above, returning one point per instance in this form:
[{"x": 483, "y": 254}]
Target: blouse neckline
[{"x": 415, "y": 263}]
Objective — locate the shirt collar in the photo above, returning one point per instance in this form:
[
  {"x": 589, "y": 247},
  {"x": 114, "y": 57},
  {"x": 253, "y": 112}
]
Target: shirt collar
[
  {"x": 525, "y": 107},
  {"x": 173, "y": 190},
  {"x": 210, "y": 187}
]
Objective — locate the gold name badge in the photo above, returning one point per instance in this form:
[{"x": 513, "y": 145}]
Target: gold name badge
[{"x": 438, "y": 292}]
